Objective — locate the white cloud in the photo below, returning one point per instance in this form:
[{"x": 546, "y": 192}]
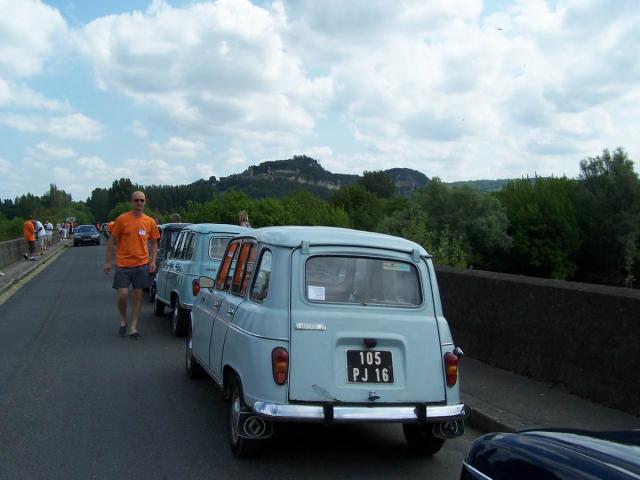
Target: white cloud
[
  {"x": 74, "y": 126},
  {"x": 216, "y": 68},
  {"x": 45, "y": 150},
  {"x": 21, "y": 96},
  {"x": 139, "y": 130},
  {"x": 31, "y": 32},
  {"x": 178, "y": 147},
  {"x": 5, "y": 166}
]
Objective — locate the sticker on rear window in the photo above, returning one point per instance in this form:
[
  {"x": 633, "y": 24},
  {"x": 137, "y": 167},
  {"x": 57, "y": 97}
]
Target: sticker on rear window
[
  {"x": 396, "y": 267},
  {"x": 315, "y": 293}
]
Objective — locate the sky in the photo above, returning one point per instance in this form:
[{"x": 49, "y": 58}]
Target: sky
[{"x": 171, "y": 91}]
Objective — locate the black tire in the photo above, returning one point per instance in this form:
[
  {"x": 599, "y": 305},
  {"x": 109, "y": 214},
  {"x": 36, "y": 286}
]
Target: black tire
[
  {"x": 75, "y": 244},
  {"x": 194, "y": 370},
  {"x": 98, "y": 242},
  {"x": 179, "y": 320},
  {"x": 240, "y": 447},
  {"x": 421, "y": 439},
  {"x": 158, "y": 307}
]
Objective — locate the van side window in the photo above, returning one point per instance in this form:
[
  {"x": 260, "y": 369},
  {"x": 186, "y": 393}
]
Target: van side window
[
  {"x": 175, "y": 248},
  {"x": 251, "y": 262},
  {"x": 226, "y": 265},
  {"x": 241, "y": 268},
  {"x": 188, "y": 252},
  {"x": 260, "y": 287}
]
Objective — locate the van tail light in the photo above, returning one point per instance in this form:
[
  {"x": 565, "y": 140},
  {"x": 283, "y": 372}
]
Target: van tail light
[
  {"x": 195, "y": 287},
  {"x": 451, "y": 368},
  {"x": 280, "y": 365}
]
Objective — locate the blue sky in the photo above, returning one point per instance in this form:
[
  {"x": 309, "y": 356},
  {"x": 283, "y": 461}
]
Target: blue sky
[{"x": 167, "y": 92}]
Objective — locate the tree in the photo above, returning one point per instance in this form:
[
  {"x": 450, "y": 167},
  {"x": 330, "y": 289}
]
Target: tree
[
  {"x": 608, "y": 208},
  {"x": 543, "y": 225},
  {"x": 364, "y": 208},
  {"x": 477, "y": 220},
  {"x": 378, "y": 183}
]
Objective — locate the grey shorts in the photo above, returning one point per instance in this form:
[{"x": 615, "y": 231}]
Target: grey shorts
[{"x": 137, "y": 277}]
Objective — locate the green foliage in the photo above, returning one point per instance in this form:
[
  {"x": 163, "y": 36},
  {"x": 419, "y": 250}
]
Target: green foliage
[
  {"x": 10, "y": 229},
  {"x": 378, "y": 183},
  {"x": 543, "y": 225},
  {"x": 478, "y": 221},
  {"x": 608, "y": 206},
  {"x": 304, "y": 208},
  {"x": 364, "y": 208},
  {"x": 445, "y": 246}
]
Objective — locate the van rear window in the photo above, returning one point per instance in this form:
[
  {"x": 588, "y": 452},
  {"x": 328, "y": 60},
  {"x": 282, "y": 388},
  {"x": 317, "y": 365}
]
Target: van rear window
[{"x": 364, "y": 281}]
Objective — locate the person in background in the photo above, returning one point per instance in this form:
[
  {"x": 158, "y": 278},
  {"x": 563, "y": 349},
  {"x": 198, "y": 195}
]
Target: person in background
[
  {"x": 133, "y": 231},
  {"x": 29, "y": 234},
  {"x": 243, "y": 216},
  {"x": 175, "y": 218},
  {"x": 41, "y": 235},
  {"x": 48, "y": 228}
]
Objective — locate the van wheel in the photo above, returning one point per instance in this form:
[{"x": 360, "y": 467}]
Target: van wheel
[
  {"x": 194, "y": 370},
  {"x": 158, "y": 307},
  {"x": 421, "y": 439},
  {"x": 240, "y": 446},
  {"x": 179, "y": 320}
]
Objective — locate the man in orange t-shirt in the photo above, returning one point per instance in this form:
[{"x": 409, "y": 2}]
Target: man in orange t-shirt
[
  {"x": 132, "y": 231},
  {"x": 29, "y": 234}
]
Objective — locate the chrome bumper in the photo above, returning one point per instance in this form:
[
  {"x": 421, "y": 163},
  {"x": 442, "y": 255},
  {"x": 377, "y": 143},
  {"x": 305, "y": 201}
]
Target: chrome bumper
[{"x": 355, "y": 414}]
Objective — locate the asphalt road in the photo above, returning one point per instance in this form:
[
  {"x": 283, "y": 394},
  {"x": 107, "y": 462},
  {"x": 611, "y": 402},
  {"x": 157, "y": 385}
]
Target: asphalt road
[{"x": 76, "y": 401}]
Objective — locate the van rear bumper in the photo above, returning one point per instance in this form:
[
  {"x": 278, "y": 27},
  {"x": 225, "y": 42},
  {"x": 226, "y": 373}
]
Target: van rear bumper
[{"x": 356, "y": 414}]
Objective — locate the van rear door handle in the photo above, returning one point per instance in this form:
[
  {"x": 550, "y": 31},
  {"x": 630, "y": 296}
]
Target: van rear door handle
[
  {"x": 216, "y": 304},
  {"x": 230, "y": 311}
]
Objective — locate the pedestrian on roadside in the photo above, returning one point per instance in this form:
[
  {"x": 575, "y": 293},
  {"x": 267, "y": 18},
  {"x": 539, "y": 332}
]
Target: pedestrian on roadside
[
  {"x": 175, "y": 218},
  {"x": 48, "y": 228},
  {"x": 29, "y": 234},
  {"x": 41, "y": 235},
  {"x": 132, "y": 231},
  {"x": 243, "y": 216}
]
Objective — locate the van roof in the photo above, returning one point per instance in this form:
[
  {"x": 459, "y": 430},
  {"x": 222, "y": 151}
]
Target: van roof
[
  {"x": 218, "y": 228},
  {"x": 290, "y": 236}
]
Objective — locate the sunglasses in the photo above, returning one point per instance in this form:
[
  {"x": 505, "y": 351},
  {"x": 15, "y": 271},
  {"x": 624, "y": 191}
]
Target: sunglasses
[{"x": 138, "y": 200}]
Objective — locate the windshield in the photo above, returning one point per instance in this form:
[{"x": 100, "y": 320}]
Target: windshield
[
  {"x": 86, "y": 229},
  {"x": 217, "y": 246},
  {"x": 363, "y": 281}
]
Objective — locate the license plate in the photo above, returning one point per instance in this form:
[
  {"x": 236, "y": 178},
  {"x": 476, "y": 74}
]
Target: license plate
[{"x": 369, "y": 366}]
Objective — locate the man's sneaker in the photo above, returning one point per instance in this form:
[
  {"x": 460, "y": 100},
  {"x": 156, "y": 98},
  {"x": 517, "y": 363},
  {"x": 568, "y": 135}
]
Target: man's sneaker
[
  {"x": 122, "y": 331},
  {"x": 26, "y": 257},
  {"x": 135, "y": 336}
]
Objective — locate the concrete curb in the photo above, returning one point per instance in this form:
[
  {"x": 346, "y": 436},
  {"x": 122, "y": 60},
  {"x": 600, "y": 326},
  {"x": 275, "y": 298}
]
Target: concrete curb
[
  {"x": 40, "y": 264},
  {"x": 486, "y": 417}
]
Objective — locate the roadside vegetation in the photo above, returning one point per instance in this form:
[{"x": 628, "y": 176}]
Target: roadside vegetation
[{"x": 585, "y": 229}]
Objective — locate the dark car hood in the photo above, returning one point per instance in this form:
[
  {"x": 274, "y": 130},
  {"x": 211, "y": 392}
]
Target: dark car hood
[{"x": 570, "y": 453}]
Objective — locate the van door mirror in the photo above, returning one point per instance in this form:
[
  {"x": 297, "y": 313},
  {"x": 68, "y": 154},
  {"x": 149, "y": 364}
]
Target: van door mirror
[{"x": 206, "y": 282}]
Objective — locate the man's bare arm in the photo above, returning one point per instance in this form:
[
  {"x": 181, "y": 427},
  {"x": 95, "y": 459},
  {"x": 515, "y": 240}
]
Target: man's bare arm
[{"x": 107, "y": 262}]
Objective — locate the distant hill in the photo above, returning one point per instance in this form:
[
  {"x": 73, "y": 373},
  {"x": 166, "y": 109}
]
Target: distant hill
[{"x": 278, "y": 177}]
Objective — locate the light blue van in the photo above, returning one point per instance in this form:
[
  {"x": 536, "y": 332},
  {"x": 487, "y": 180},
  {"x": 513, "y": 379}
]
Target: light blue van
[
  {"x": 195, "y": 252},
  {"x": 319, "y": 324}
]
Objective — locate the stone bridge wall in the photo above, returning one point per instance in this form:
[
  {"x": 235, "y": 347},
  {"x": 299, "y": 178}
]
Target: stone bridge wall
[
  {"x": 11, "y": 250},
  {"x": 582, "y": 336}
]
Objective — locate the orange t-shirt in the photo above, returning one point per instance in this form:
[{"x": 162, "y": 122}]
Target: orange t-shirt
[
  {"x": 132, "y": 234},
  {"x": 29, "y": 231}
]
